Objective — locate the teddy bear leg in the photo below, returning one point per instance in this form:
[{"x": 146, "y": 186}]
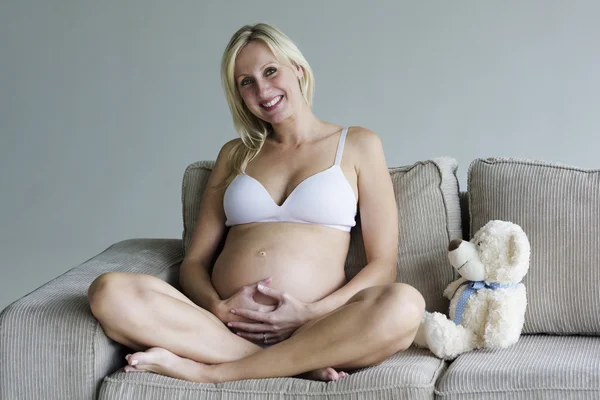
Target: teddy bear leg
[
  {"x": 444, "y": 338},
  {"x": 420, "y": 340}
]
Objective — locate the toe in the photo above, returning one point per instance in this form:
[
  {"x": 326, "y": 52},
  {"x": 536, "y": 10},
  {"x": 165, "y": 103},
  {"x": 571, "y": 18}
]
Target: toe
[
  {"x": 129, "y": 368},
  {"x": 332, "y": 374},
  {"x": 153, "y": 355},
  {"x": 138, "y": 358}
]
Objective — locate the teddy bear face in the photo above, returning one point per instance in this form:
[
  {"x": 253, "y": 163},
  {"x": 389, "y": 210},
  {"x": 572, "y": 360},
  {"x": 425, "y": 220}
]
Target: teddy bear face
[{"x": 504, "y": 251}]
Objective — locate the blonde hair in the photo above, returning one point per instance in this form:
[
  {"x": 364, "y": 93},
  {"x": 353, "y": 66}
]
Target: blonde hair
[{"x": 252, "y": 130}]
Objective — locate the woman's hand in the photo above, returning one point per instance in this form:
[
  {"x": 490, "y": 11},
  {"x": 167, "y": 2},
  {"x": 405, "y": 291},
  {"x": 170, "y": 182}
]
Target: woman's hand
[
  {"x": 243, "y": 298},
  {"x": 272, "y": 326}
]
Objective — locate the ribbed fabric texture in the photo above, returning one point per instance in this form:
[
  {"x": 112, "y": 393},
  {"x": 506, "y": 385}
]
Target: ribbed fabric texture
[
  {"x": 193, "y": 184},
  {"x": 558, "y": 207},
  {"x": 537, "y": 367},
  {"x": 51, "y": 346},
  {"x": 429, "y": 217},
  {"x": 464, "y": 213},
  {"x": 409, "y": 375}
]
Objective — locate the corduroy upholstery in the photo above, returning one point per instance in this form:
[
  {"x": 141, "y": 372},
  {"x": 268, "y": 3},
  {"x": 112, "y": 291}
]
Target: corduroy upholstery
[
  {"x": 558, "y": 207},
  {"x": 51, "y": 347},
  {"x": 408, "y": 375},
  {"x": 536, "y": 367}
]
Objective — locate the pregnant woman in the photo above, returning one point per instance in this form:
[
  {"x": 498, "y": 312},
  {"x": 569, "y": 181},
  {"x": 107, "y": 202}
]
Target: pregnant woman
[{"x": 264, "y": 292}]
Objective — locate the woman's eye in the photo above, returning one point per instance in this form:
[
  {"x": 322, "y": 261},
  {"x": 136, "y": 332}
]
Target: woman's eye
[
  {"x": 270, "y": 71},
  {"x": 244, "y": 82}
]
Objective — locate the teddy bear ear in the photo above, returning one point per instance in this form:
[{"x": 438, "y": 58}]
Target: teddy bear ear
[{"x": 518, "y": 249}]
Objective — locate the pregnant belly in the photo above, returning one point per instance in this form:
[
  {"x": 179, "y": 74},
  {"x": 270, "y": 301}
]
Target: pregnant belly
[{"x": 307, "y": 261}]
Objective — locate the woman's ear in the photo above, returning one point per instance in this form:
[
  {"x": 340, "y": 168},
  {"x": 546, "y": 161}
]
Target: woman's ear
[{"x": 299, "y": 71}]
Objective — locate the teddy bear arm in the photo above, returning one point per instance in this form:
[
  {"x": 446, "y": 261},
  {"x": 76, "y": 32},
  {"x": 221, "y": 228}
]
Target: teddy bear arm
[
  {"x": 506, "y": 312},
  {"x": 452, "y": 287}
]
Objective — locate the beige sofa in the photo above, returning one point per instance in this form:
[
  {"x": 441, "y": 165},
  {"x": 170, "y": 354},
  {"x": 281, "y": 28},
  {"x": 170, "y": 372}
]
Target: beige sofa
[{"x": 51, "y": 347}]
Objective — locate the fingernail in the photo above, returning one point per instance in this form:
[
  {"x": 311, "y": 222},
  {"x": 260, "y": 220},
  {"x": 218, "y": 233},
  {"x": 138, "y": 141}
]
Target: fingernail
[
  {"x": 261, "y": 287},
  {"x": 229, "y": 324},
  {"x": 134, "y": 362},
  {"x": 232, "y": 311}
]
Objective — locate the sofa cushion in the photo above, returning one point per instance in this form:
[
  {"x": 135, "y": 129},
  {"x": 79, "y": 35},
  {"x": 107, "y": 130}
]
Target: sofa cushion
[
  {"x": 429, "y": 217},
  {"x": 558, "y": 207},
  {"x": 407, "y": 375},
  {"x": 537, "y": 367}
]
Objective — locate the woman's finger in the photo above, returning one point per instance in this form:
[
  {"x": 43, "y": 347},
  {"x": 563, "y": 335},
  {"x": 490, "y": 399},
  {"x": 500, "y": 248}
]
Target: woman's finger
[
  {"x": 265, "y": 308},
  {"x": 250, "y": 327},
  {"x": 265, "y": 281},
  {"x": 274, "y": 293},
  {"x": 260, "y": 337},
  {"x": 254, "y": 315}
]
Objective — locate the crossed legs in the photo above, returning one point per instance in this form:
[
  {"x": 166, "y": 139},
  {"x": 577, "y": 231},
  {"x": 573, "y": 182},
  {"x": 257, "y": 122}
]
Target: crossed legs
[{"x": 187, "y": 342}]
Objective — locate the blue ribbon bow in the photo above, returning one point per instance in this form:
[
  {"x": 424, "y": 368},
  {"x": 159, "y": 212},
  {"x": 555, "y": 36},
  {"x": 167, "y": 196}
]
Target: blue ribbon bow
[{"x": 472, "y": 287}]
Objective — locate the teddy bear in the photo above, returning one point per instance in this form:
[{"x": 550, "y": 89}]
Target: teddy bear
[{"x": 488, "y": 301}]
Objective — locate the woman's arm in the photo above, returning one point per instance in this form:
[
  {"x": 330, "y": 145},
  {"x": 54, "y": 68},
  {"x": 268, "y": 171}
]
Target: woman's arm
[
  {"x": 208, "y": 235},
  {"x": 379, "y": 221},
  {"x": 209, "y": 232}
]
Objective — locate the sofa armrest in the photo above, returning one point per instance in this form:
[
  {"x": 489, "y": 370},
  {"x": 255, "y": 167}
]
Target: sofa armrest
[{"x": 52, "y": 347}]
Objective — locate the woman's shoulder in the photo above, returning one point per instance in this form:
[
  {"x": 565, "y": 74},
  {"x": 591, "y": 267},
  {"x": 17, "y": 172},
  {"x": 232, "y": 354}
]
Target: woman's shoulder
[
  {"x": 363, "y": 143},
  {"x": 230, "y": 145},
  {"x": 361, "y": 134},
  {"x": 223, "y": 163}
]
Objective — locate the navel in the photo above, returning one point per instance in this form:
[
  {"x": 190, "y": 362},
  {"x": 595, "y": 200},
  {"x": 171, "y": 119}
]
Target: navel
[{"x": 262, "y": 253}]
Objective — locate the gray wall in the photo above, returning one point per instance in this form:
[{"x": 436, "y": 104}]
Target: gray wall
[{"x": 104, "y": 104}]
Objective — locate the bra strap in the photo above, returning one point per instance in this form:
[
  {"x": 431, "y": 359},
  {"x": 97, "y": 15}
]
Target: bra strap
[{"x": 340, "y": 148}]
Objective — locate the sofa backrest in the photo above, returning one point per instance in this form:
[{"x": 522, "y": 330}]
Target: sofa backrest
[
  {"x": 429, "y": 216},
  {"x": 558, "y": 207}
]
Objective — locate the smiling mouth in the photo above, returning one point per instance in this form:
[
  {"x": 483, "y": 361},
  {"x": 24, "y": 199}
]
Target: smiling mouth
[{"x": 272, "y": 103}]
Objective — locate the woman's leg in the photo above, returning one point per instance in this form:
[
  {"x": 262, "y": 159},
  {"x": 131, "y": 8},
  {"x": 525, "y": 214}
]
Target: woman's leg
[
  {"x": 142, "y": 311},
  {"x": 374, "y": 324}
]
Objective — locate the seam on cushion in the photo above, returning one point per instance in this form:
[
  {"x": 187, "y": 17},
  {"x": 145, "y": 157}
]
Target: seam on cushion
[
  {"x": 196, "y": 165},
  {"x": 441, "y": 192},
  {"x": 446, "y": 211},
  {"x": 96, "y": 324},
  {"x": 216, "y": 389},
  {"x": 444, "y": 394},
  {"x": 407, "y": 168},
  {"x": 469, "y": 173},
  {"x": 435, "y": 378},
  {"x": 537, "y": 163}
]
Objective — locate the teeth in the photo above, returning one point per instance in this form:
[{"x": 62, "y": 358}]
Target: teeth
[{"x": 272, "y": 102}]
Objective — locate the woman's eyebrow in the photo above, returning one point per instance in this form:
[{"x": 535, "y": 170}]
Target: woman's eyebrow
[{"x": 244, "y": 73}]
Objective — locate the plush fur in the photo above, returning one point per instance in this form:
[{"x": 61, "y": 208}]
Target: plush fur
[{"x": 498, "y": 253}]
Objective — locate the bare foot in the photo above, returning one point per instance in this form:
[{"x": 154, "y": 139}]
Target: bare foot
[
  {"x": 163, "y": 362},
  {"x": 325, "y": 374}
]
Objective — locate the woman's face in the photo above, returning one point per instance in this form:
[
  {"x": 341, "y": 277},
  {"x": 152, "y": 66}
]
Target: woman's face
[{"x": 268, "y": 87}]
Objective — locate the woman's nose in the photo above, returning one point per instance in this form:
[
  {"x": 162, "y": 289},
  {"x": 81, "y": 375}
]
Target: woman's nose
[{"x": 262, "y": 87}]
